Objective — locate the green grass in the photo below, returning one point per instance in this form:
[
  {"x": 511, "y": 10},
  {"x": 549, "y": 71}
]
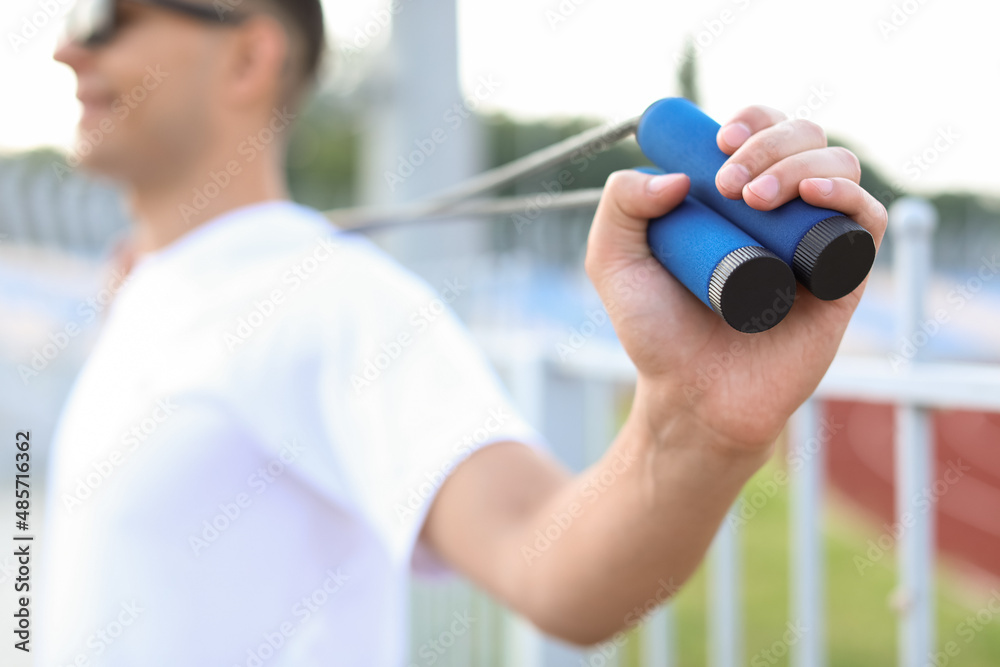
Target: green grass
[{"x": 861, "y": 624}]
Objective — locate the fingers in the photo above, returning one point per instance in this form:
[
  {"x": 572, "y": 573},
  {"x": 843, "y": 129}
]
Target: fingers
[
  {"x": 630, "y": 200},
  {"x": 765, "y": 148},
  {"x": 745, "y": 123},
  {"x": 780, "y": 182},
  {"x": 846, "y": 196}
]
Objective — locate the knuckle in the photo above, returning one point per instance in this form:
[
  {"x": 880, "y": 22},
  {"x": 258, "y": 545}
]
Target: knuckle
[
  {"x": 851, "y": 161},
  {"x": 874, "y": 209},
  {"x": 800, "y": 165},
  {"x": 757, "y": 117},
  {"x": 615, "y": 182},
  {"x": 880, "y": 214},
  {"x": 768, "y": 148},
  {"x": 591, "y": 262},
  {"x": 767, "y": 115},
  {"x": 809, "y": 129}
]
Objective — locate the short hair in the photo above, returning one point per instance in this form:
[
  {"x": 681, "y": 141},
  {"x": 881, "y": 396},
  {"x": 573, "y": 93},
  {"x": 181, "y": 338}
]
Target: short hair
[{"x": 304, "y": 20}]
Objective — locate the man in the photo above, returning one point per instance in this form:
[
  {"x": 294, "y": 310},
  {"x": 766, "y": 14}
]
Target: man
[{"x": 231, "y": 488}]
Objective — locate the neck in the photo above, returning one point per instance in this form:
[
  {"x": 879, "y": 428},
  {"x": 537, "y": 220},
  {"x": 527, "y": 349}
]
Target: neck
[{"x": 167, "y": 209}]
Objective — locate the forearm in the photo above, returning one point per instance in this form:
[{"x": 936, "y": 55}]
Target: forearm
[
  {"x": 578, "y": 555},
  {"x": 630, "y": 528}
]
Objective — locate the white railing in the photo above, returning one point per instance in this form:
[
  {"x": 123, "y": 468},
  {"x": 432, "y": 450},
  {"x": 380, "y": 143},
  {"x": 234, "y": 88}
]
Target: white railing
[{"x": 914, "y": 388}]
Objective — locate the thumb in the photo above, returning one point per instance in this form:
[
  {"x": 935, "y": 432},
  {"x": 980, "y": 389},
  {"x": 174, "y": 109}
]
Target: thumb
[{"x": 631, "y": 198}]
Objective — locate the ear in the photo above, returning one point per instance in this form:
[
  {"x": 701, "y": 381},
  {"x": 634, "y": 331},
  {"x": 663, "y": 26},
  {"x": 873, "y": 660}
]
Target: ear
[{"x": 259, "y": 51}]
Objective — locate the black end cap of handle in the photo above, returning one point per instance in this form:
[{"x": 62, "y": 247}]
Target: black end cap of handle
[
  {"x": 834, "y": 257},
  {"x": 752, "y": 289}
]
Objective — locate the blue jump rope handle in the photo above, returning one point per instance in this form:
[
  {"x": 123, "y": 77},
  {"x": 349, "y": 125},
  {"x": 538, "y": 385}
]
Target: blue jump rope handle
[
  {"x": 829, "y": 253},
  {"x": 722, "y": 265}
]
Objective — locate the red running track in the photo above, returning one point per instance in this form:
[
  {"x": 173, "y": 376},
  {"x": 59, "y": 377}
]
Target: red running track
[{"x": 966, "y": 476}]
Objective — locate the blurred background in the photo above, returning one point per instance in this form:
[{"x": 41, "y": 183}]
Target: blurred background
[{"x": 910, "y": 86}]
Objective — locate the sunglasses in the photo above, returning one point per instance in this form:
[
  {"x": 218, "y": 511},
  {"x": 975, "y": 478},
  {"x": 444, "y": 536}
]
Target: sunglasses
[{"x": 91, "y": 23}]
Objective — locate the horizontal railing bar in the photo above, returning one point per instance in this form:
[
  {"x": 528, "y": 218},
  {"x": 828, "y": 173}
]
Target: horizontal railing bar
[
  {"x": 384, "y": 217},
  {"x": 924, "y": 384},
  {"x": 952, "y": 385}
]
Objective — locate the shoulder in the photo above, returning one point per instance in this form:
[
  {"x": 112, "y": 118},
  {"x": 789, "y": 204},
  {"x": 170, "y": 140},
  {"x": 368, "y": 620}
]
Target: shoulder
[
  {"x": 340, "y": 275},
  {"x": 302, "y": 247}
]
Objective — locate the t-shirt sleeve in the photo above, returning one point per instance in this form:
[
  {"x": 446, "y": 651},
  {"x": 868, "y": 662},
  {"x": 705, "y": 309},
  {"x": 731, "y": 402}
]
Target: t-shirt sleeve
[{"x": 418, "y": 395}]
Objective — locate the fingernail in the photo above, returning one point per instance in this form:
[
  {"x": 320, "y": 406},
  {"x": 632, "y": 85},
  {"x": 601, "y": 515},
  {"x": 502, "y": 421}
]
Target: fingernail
[
  {"x": 733, "y": 177},
  {"x": 658, "y": 184},
  {"x": 824, "y": 185},
  {"x": 766, "y": 187},
  {"x": 735, "y": 134}
]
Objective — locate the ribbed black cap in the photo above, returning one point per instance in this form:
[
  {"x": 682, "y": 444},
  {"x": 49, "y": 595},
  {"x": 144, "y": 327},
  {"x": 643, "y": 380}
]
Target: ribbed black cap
[
  {"x": 752, "y": 289},
  {"x": 834, "y": 257}
]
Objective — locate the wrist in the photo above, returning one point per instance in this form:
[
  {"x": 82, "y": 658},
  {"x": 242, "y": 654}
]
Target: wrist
[
  {"x": 662, "y": 419},
  {"x": 680, "y": 458}
]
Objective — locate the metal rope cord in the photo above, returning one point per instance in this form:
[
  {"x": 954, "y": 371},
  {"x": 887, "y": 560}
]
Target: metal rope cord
[{"x": 465, "y": 198}]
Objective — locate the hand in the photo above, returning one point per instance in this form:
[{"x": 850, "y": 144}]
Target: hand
[{"x": 738, "y": 389}]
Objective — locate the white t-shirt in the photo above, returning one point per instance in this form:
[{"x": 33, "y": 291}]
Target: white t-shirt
[{"x": 244, "y": 464}]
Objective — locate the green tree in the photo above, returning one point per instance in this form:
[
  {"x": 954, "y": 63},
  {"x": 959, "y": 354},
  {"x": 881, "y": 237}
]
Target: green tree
[{"x": 687, "y": 72}]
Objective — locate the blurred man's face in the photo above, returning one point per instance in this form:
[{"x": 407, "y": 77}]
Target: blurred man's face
[{"x": 147, "y": 94}]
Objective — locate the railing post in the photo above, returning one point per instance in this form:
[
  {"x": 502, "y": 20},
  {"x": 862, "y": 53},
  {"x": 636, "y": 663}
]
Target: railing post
[
  {"x": 525, "y": 645},
  {"x": 807, "y": 590},
  {"x": 659, "y": 645},
  {"x": 725, "y": 623},
  {"x": 599, "y": 431},
  {"x": 912, "y": 222}
]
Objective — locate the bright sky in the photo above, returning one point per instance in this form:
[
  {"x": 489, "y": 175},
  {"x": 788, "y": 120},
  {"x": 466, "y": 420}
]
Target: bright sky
[{"x": 900, "y": 79}]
